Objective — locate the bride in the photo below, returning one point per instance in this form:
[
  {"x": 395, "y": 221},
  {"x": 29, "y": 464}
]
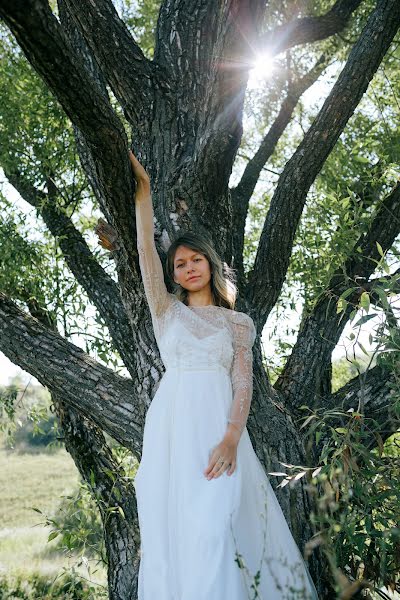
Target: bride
[{"x": 210, "y": 524}]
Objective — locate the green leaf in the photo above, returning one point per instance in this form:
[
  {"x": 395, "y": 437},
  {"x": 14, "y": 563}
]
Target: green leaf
[
  {"x": 341, "y": 430},
  {"x": 365, "y": 301},
  {"x": 361, "y": 159},
  {"x": 363, "y": 349},
  {"x": 364, "y": 319},
  {"x": 382, "y": 297},
  {"x": 380, "y": 249},
  {"x": 341, "y": 305}
]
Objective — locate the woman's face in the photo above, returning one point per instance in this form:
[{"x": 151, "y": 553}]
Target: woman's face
[{"x": 191, "y": 269}]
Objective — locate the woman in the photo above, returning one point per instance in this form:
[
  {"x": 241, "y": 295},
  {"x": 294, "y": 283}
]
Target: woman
[{"x": 211, "y": 526}]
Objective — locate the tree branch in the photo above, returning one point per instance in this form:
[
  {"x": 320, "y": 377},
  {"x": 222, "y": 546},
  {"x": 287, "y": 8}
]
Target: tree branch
[
  {"x": 273, "y": 254},
  {"x": 109, "y": 400},
  {"x": 129, "y": 73},
  {"x": 209, "y": 51},
  {"x": 392, "y": 279},
  {"x": 107, "y": 480},
  {"x": 45, "y": 44},
  {"x": 101, "y": 289},
  {"x": 371, "y": 393},
  {"x": 308, "y": 29},
  {"x": 304, "y": 371},
  {"x": 242, "y": 193}
]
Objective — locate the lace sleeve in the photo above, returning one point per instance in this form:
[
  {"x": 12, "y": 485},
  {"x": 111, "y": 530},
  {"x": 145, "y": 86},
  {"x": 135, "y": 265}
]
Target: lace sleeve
[
  {"x": 244, "y": 334},
  {"x": 157, "y": 295}
]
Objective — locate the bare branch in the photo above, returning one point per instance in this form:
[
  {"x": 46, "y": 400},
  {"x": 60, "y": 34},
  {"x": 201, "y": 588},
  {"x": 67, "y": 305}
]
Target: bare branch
[
  {"x": 242, "y": 193},
  {"x": 273, "y": 255},
  {"x": 109, "y": 400},
  {"x": 309, "y": 29}
]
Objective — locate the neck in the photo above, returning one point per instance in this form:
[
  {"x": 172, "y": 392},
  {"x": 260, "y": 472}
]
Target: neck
[{"x": 200, "y": 299}]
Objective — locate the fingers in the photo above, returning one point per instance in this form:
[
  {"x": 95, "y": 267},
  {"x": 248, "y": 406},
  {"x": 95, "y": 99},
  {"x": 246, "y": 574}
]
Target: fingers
[
  {"x": 108, "y": 238},
  {"x": 139, "y": 172},
  {"x": 232, "y": 468},
  {"x": 216, "y": 469}
]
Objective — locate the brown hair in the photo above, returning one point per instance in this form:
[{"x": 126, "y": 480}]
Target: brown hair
[{"x": 223, "y": 284}]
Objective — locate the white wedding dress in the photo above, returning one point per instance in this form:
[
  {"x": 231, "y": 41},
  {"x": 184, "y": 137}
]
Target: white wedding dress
[{"x": 195, "y": 533}]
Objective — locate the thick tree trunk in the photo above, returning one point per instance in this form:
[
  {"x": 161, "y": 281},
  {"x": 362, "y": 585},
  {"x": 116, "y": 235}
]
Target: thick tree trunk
[
  {"x": 185, "y": 110},
  {"x": 110, "y": 489}
]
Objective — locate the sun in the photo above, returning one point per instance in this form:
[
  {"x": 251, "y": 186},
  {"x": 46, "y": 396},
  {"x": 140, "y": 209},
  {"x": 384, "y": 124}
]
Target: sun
[{"x": 263, "y": 67}]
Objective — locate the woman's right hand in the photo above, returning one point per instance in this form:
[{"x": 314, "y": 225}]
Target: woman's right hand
[{"x": 141, "y": 176}]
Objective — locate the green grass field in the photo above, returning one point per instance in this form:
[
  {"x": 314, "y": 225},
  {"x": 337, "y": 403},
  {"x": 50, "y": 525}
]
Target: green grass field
[{"x": 26, "y": 481}]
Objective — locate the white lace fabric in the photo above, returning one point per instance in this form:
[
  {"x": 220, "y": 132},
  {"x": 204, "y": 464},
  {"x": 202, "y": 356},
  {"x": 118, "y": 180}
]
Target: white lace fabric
[{"x": 196, "y": 344}]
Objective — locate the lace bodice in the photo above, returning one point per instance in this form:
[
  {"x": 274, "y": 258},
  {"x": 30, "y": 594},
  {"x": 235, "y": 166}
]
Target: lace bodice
[{"x": 196, "y": 336}]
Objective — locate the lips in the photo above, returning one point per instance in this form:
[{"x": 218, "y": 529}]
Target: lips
[{"x": 194, "y": 277}]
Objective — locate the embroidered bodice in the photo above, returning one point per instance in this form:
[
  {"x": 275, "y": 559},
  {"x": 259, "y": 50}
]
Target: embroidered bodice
[{"x": 196, "y": 336}]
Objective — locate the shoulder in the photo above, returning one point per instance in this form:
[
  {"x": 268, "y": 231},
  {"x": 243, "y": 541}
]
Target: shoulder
[{"x": 242, "y": 324}]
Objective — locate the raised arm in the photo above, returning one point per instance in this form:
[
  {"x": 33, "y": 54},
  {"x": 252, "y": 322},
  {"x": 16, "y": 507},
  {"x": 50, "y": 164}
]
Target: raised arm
[
  {"x": 244, "y": 334},
  {"x": 151, "y": 269}
]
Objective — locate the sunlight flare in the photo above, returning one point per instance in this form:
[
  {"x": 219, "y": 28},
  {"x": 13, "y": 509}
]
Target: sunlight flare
[{"x": 263, "y": 68}]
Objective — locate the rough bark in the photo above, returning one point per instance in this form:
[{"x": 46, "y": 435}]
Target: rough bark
[
  {"x": 129, "y": 73},
  {"x": 100, "y": 394},
  {"x": 187, "y": 137},
  {"x": 309, "y": 29},
  {"x": 101, "y": 289},
  {"x": 304, "y": 371},
  {"x": 276, "y": 241}
]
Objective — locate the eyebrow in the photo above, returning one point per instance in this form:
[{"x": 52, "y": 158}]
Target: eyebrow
[{"x": 195, "y": 254}]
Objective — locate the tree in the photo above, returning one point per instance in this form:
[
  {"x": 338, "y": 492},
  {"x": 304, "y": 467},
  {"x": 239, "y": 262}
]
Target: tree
[{"x": 183, "y": 110}]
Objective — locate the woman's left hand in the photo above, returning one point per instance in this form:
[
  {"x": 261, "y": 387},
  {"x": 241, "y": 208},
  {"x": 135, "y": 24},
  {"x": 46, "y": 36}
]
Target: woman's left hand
[{"x": 226, "y": 451}]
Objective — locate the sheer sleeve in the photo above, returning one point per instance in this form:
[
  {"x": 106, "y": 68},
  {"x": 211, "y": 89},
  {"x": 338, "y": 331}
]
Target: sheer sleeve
[
  {"x": 244, "y": 334},
  {"x": 157, "y": 295}
]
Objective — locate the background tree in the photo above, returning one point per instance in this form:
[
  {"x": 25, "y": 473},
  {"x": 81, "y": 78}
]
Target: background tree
[{"x": 179, "y": 96}]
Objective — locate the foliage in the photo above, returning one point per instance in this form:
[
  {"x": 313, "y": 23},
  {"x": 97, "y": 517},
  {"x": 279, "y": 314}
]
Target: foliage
[
  {"x": 356, "y": 482},
  {"x": 25, "y": 416},
  {"x": 66, "y": 586},
  {"x": 77, "y": 525},
  {"x": 358, "y": 501}
]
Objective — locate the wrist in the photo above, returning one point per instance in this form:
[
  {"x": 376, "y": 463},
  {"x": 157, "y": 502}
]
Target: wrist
[
  {"x": 143, "y": 189},
  {"x": 233, "y": 433}
]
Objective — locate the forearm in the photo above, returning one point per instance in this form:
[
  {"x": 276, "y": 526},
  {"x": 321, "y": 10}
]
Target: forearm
[{"x": 144, "y": 219}]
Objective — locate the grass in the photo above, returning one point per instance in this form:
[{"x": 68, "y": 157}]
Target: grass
[
  {"x": 26, "y": 481},
  {"x": 33, "y": 480}
]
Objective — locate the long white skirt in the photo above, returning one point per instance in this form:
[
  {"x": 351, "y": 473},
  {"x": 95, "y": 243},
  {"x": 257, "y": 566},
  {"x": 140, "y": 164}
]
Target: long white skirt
[{"x": 208, "y": 539}]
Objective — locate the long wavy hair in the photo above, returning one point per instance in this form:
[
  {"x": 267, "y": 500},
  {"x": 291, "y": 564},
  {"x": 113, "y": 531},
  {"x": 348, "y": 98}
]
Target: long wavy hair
[{"x": 223, "y": 280}]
